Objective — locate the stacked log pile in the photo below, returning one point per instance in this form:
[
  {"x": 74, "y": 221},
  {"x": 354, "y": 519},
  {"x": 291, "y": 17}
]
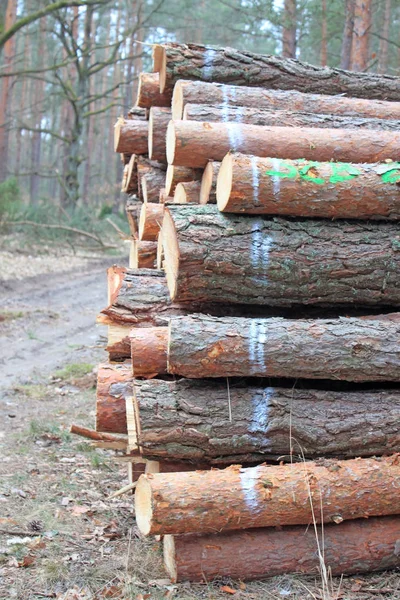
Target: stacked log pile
[{"x": 253, "y": 339}]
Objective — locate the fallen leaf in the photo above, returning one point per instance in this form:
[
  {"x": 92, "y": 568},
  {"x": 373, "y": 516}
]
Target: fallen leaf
[
  {"x": 79, "y": 510},
  {"x": 228, "y": 590},
  {"x": 27, "y": 561}
]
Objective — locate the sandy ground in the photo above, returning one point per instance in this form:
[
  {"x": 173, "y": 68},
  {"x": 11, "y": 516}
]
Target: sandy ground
[{"x": 87, "y": 546}]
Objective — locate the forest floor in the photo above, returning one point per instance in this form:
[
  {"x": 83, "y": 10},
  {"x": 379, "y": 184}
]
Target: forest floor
[{"x": 87, "y": 546}]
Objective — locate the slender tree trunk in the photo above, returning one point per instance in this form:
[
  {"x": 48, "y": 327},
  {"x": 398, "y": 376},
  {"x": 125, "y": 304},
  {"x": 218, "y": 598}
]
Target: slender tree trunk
[
  {"x": 361, "y": 33},
  {"x": 345, "y": 55},
  {"x": 383, "y": 45},
  {"x": 38, "y": 97},
  {"x": 6, "y": 89},
  {"x": 324, "y": 36},
  {"x": 289, "y": 29}
]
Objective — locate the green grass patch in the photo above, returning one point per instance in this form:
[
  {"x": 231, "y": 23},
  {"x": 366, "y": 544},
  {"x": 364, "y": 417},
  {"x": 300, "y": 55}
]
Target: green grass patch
[
  {"x": 35, "y": 391},
  {"x": 74, "y": 371},
  {"x": 11, "y": 315}
]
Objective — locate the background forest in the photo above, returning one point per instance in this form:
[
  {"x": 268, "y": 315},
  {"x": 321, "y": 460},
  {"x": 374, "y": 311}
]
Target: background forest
[{"x": 69, "y": 69}]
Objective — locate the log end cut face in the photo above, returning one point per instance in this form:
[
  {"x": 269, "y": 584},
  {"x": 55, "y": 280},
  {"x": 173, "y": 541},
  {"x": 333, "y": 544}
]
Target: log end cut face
[
  {"x": 117, "y": 133},
  {"x": 224, "y": 182},
  {"x": 171, "y": 142},
  {"x": 151, "y": 125},
  {"x": 206, "y": 183},
  {"x": 171, "y": 253},
  {"x": 177, "y": 101},
  {"x": 162, "y": 59},
  {"x": 143, "y": 505},
  {"x": 180, "y": 194},
  {"x": 169, "y": 557}
]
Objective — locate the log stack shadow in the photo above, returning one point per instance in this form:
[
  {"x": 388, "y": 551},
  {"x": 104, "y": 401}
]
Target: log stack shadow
[{"x": 253, "y": 338}]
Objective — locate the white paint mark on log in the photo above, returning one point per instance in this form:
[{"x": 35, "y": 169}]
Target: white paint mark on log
[
  {"x": 253, "y": 336},
  {"x": 208, "y": 67},
  {"x": 248, "y": 480},
  {"x": 261, "y": 341},
  {"x": 261, "y": 410},
  {"x": 276, "y": 180},
  {"x": 256, "y": 179}
]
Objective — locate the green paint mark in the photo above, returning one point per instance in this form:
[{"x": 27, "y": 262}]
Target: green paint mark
[
  {"x": 289, "y": 171},
  {"x": 309, "y": 176},
  {"x": 340, "y": 172},
  {"x": 343, "y": 172}
]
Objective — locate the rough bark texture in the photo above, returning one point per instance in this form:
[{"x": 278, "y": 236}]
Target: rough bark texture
[
  {"x": 250, "y": 422},
  {"x": 118, "y": 342},
  {"x": 176, "y": 174},
  {"x": 193, "y": 144},
  {"x": 148, "y": 350},
  {"x": 150, "y": 223},
  {"x": 132, "y": 210},
  {"x": 114, "y": 383},
  {"x": 289, "y": 41},
  {"x": 308, "y": 188},
  {"x": 130, "y": 136},
  {"x": 158, "y": 123},
  {"x": 144, "y": 254},
  {"x": 187, "y": 192},
  {"x": 227, "y": 65},
  {"x": 361, "y": 33},
  {"x": 266, "y": 496},
  {"x": 350, "y": 349},
  {"x": 235, "y": 259},
  {"x": 282, "y": 118},
  {"x": 227, "y": 96},
  {"x": 149, "y": 91},
  {"x": 145, "y": 167},
  {"x": 151, "y": 183},
  {"x": 357, "y": 546},
  {"x": 137, "y": 113},
  {"x": 208, "y": 190}
]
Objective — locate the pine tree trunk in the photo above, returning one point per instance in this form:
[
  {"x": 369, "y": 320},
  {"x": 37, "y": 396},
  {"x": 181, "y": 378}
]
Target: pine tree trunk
[
  {"x": 345, "y": 56},
  {"x": 324, "y": 35},
  {"x": 361, "y": 33},
  {"x": 289, "y": 29},
  {"x": 384, "y": 42},
  {"x": 6, "y": 89}
]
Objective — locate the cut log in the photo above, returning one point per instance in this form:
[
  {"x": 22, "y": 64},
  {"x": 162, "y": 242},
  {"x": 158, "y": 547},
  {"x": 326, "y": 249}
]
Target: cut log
[
  {"x": 130, "y": 184},
  {"x": 137, "y": 112},
  {"x": 125, "y": 158},
  {"x": 132, "y": 209},
  {"x": 130, "y": 136},
  {"x": 193, "y": 144},
  {"x": 308, "y": 189},
  {"x": 177, "y": 175},
  {"x": 95, "y": 436},
  {"x": 146, "y": 167},
  {"x": 187, "y": 192},
  {"x": 118, "y": 343},
  {"x": 267, "y": 496},
  {"x": 158, "y": 123},
  {"x": 149, "y": 91},
  {"x": 150, "y": 221},
  {"x": 356, "y": 546},
  {"x": 208, "y": 190},
  {"x": 215, "y": 257},
  {"x": 114, "y": 384},
  {"x": 149, "y": 351},
  {"x": 124, "y": 178},
  {"x": 198, "y": 92},
  {"x": 280, "y": 118},
  {"x": 163, "y": 198},
  {"x": 249, "y": 422},
  {"x": 226, "y": 65},
  {"x": 350, "y": 349},
  {"x": 151, "y": 183},
  {"x": 141, "y": 299},
  {"x": 143, "y": 255}
]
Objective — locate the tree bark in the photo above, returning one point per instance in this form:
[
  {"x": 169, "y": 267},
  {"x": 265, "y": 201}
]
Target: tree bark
[
  {"x": 150, "y": 221},
  {"x": 215, "y": 257},
  {"x": 136, "y": 113},
  {"x": 267, "y": 496},
  {"x": 248, "y": 422},
  {"x": 350, "y": 349},
  {"x": 132, "y": 210},
  {"x": 149, "y": 91},
  {"x": 187, "y": 192},
  {"x": 289, "y": 29},
  {"x": 361, "y": 32},
  {"x": 163, "y": 198},
  {"x": 131, "y": 136},
  {"x": 193, "y": 144},
  {"x": 356, "y": 546},
  {"x": 151, "y": 183},
  {"x": 176, "y": 174},
  {"x": 146, "y": 166},
  {"x": 114, "y": 384},
  {"x": 144, "y": 255},
  {"x": 118, "y": 342},
  {"x": 208, "y": 190},
  {"x": 252, "y": 185},
  {"x": 199, "y": 92},
  {"x": 324, "y": 35},
  {"x": 278, "y": 118},
  {"x": 148, "y": 350},
  {"x": 384, "y": 41},
  {"x": 225, "y": 65},
  {"x": 6, "y": 89},
  {"x": 345, "y": 55},
  {"x": 158, "y": 123}
]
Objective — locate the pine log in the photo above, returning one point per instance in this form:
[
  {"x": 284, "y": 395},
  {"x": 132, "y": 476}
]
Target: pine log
[
  {"x": 137, "y": 113},
  {"x": 227, "y": 65},
  {"x": 131, "y": 136},
  {"x": 228, "y": 96},
  {"x": 286, "y": 118},
  {"x": 95, "y": 436},
  {"x": 158, "y": 123},
  {"x": 149, "y": 94},
  {"x": 151, "y": 184},
  {"x": 148, "y": 350},
  {"x": 163, "y": 198},
  {"x": 187, "y": 192},
  {"x": 141, "y": 298},
  {"x": 150, "y": 221},
  {"x": 143, "y": 254},
  {"x": 350, "y": 349},
  {"x": 355, "y": 546},
  {"x": 267, "y": 496},
  {"x": 130, "y": 185},
  {"x": 132, "y": 210},
  {"x": 308, "y": 188},
  {"x": 176, "y": 174},
  {"x": 208, "y": 190},
  {"x": 124, "y": 178},
  {"x": 146, "y": 167},
  {"x": 216, "y": 257},
  {"x": 114, "y": 384},
  {"x": 193, "y": 144},
  {"x": 118, "y": 342},
  {"x": 250, "y": 422},
  {"x": 125, "y": 158}
]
